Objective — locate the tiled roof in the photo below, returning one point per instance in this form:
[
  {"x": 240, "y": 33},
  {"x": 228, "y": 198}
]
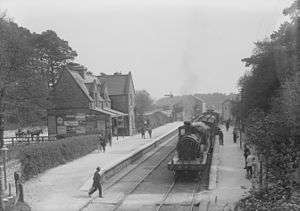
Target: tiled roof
[
  {"x": 116, "y": 84},
  {"x": 79, "y": 80}
]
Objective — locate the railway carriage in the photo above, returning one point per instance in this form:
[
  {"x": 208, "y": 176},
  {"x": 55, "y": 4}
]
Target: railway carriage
[{"x": 195, "y": 142}]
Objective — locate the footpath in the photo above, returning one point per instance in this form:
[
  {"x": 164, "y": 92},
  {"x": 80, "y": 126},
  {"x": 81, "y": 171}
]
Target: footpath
[
  {"x": 228, "y": 181},
  {"x": 65, "y": 187}
]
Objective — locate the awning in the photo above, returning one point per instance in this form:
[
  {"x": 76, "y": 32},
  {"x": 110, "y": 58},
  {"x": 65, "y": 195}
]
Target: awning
[
  {"x": 110, "y": 112},
  {"x": 115, "y": 112}
]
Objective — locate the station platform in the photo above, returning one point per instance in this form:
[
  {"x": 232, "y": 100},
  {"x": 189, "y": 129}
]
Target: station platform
[
  {"x": 65, "y": 187},
  {"x": 228, "y": 182}
]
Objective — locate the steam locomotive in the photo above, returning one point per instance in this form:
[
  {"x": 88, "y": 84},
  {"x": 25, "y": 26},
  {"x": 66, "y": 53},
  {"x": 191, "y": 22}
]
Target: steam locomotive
[{"x": 195, "y": 142}]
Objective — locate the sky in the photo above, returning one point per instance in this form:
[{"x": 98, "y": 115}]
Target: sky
[{"x": 178, "y": 46}]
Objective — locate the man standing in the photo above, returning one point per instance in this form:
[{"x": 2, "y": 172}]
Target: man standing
[
  {"x": 143, "y": 131},
  {"x": 235, "y": 135},
  {"x": 103, "y": 143},
  {"x": 227, "y": 125},
  {"x": 100, "y": 139},
  {"x": 246, "y": 153},
  {"x": 149, "y": 130},
  {"x": 221, "y": 137},
  {"x": 249, "y": 163},
  {"x": 96, "y": 183}
]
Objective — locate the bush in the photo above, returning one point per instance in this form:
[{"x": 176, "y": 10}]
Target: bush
[{"x": 37, "y": 158}]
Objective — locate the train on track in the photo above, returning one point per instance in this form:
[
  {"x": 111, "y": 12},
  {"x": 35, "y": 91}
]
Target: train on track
[{"x": 195, "y": 143}]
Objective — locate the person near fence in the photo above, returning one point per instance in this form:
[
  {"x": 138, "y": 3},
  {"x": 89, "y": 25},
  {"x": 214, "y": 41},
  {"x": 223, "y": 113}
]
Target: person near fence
[
  {"x": 249, "y": 165},
  {"x": 246, "y": 153},
  {"x": 97, "y": 180}
]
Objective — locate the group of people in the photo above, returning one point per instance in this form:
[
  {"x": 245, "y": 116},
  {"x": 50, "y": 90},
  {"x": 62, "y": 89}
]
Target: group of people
[
  {"x": 250, "y": 160},
  {"x": 221, "y": 135},
  {"x": 146, "y": 127}
]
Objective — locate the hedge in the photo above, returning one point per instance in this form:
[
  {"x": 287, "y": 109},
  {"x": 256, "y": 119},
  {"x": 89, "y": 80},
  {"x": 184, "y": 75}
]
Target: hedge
[{"x": 38, "y": 158}]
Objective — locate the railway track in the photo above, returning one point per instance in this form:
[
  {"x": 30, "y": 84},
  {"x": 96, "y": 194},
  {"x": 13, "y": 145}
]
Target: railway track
[
  {"x": 140, "y": 171},
  {"x": 188, "y": 205}
]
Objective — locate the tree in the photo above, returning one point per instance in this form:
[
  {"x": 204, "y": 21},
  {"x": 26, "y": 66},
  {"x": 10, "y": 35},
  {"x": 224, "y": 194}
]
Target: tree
[
  {"x": 143, "y": 102},
  {"x": 267, "y": 108},
  {"x": 54, "y": 53},
  {"x": 15, "y": 65}
]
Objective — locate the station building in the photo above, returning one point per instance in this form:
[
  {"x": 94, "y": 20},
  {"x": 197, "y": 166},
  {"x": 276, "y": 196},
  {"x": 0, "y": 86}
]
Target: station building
[
  {"x": 121, "y": 92},
  {"x": 80, "y": 105}
]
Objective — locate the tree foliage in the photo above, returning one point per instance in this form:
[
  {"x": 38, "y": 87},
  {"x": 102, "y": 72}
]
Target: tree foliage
[
  {"x": 143, "y": 102},
  {"x": 30, "y": 64},
  {"x": 267, "y": 110},
  {"x": 54, "y": 53}
]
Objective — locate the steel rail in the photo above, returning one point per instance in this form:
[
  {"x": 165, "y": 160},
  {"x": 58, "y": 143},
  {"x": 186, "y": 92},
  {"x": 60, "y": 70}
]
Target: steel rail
[
  {"x": 193, "y": 196},
  {"x": 165, "y": 196},
  {"x": 134, "y": 187},
  {"x": 134, "y": 168},
  {"x": 140, "y": 162}
]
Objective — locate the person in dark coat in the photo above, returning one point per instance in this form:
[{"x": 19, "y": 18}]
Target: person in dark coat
[
  {"x": 96, "y": 183},
  {"x": 149, "y": 130},
  {"x": 227, "y": 125},
  {"x": 143, "y": 131},
  {"x": 102, "y": 142},
  {"x": 235, "y": 136},
  {"x": 221, "y": 137},
  {"x": 100, "y": 139},
  {"x": 109, "y": 138}
]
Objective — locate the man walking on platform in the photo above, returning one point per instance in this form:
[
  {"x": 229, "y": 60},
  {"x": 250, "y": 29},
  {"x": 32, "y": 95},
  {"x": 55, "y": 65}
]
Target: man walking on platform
[{"x": 96, "y": 183}]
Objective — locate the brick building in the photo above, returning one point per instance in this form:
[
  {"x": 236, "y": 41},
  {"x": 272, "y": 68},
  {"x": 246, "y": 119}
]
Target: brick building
[
  {"x": 81, "y": 104},
  {"x": 121, "y": 92}
]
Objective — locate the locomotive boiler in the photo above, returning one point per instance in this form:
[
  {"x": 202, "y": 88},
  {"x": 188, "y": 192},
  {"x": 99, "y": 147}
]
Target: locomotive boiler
[{"x": 194, "y": 143}]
